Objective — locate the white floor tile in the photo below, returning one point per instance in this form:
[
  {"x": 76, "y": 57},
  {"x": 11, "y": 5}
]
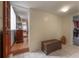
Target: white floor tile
[{"x": 66, "y": 51}]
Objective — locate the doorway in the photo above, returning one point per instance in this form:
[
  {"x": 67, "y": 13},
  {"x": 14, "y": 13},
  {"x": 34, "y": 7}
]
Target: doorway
[
  {"x": 20, "y": 44},
  {"x": 15, "y": 31},
  {"x": 76, "y": 30},
  {"x": 19, "y": 33}
]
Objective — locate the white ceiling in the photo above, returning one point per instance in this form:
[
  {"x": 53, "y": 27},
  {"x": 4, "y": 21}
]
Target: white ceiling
[{"x": 21, "y": 7}]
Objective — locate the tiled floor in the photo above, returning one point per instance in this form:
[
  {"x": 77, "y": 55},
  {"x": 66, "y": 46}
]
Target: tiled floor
[{"x": 66, "y": 51}]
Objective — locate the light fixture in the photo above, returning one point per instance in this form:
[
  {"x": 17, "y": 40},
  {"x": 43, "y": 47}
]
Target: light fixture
[{"x": 65, "y": 9}]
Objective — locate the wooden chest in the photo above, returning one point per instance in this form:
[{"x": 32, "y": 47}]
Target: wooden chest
[{"x": 49, "y": 46}]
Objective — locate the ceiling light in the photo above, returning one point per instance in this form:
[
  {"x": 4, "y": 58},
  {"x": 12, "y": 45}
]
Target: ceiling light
[{"x": 65, "y": 9}]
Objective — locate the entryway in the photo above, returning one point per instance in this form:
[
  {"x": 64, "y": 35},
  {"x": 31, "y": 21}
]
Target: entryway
[{"x": 15, "y": 31}]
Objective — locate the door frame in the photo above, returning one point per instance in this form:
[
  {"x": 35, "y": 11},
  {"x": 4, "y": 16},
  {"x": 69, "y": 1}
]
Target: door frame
[{"x": 6, "y": 29}]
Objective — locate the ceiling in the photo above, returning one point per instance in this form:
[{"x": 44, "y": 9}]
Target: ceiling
[{"x": 21, "y": 7}]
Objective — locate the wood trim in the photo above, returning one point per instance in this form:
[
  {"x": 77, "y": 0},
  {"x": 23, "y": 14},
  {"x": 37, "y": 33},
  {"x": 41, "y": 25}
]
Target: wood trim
[{"x": 6, "y": 29}]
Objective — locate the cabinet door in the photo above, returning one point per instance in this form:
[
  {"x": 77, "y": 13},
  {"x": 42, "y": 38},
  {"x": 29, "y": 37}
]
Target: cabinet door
[{"x": 19, "y": 36}]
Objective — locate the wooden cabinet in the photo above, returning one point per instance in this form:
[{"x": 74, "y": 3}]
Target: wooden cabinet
[
  {"x": 19, "y": 36},
  {"x": 21, "y": 32}
]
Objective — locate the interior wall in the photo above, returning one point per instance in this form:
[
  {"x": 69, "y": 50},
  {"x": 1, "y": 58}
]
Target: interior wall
[
  {"x": 12, "y": 24},
  {"x": 68, "y": 26},
  {"x": 43, "y": 26},
  {"x": 13, "y": 19}
]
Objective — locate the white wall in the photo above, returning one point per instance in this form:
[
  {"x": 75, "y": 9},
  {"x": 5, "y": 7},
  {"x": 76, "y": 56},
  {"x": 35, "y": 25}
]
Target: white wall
[
  {"x": 12, "y": 23},
  {"x": 43, "y": 26},
  {"x": 13, "y": 19}
]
